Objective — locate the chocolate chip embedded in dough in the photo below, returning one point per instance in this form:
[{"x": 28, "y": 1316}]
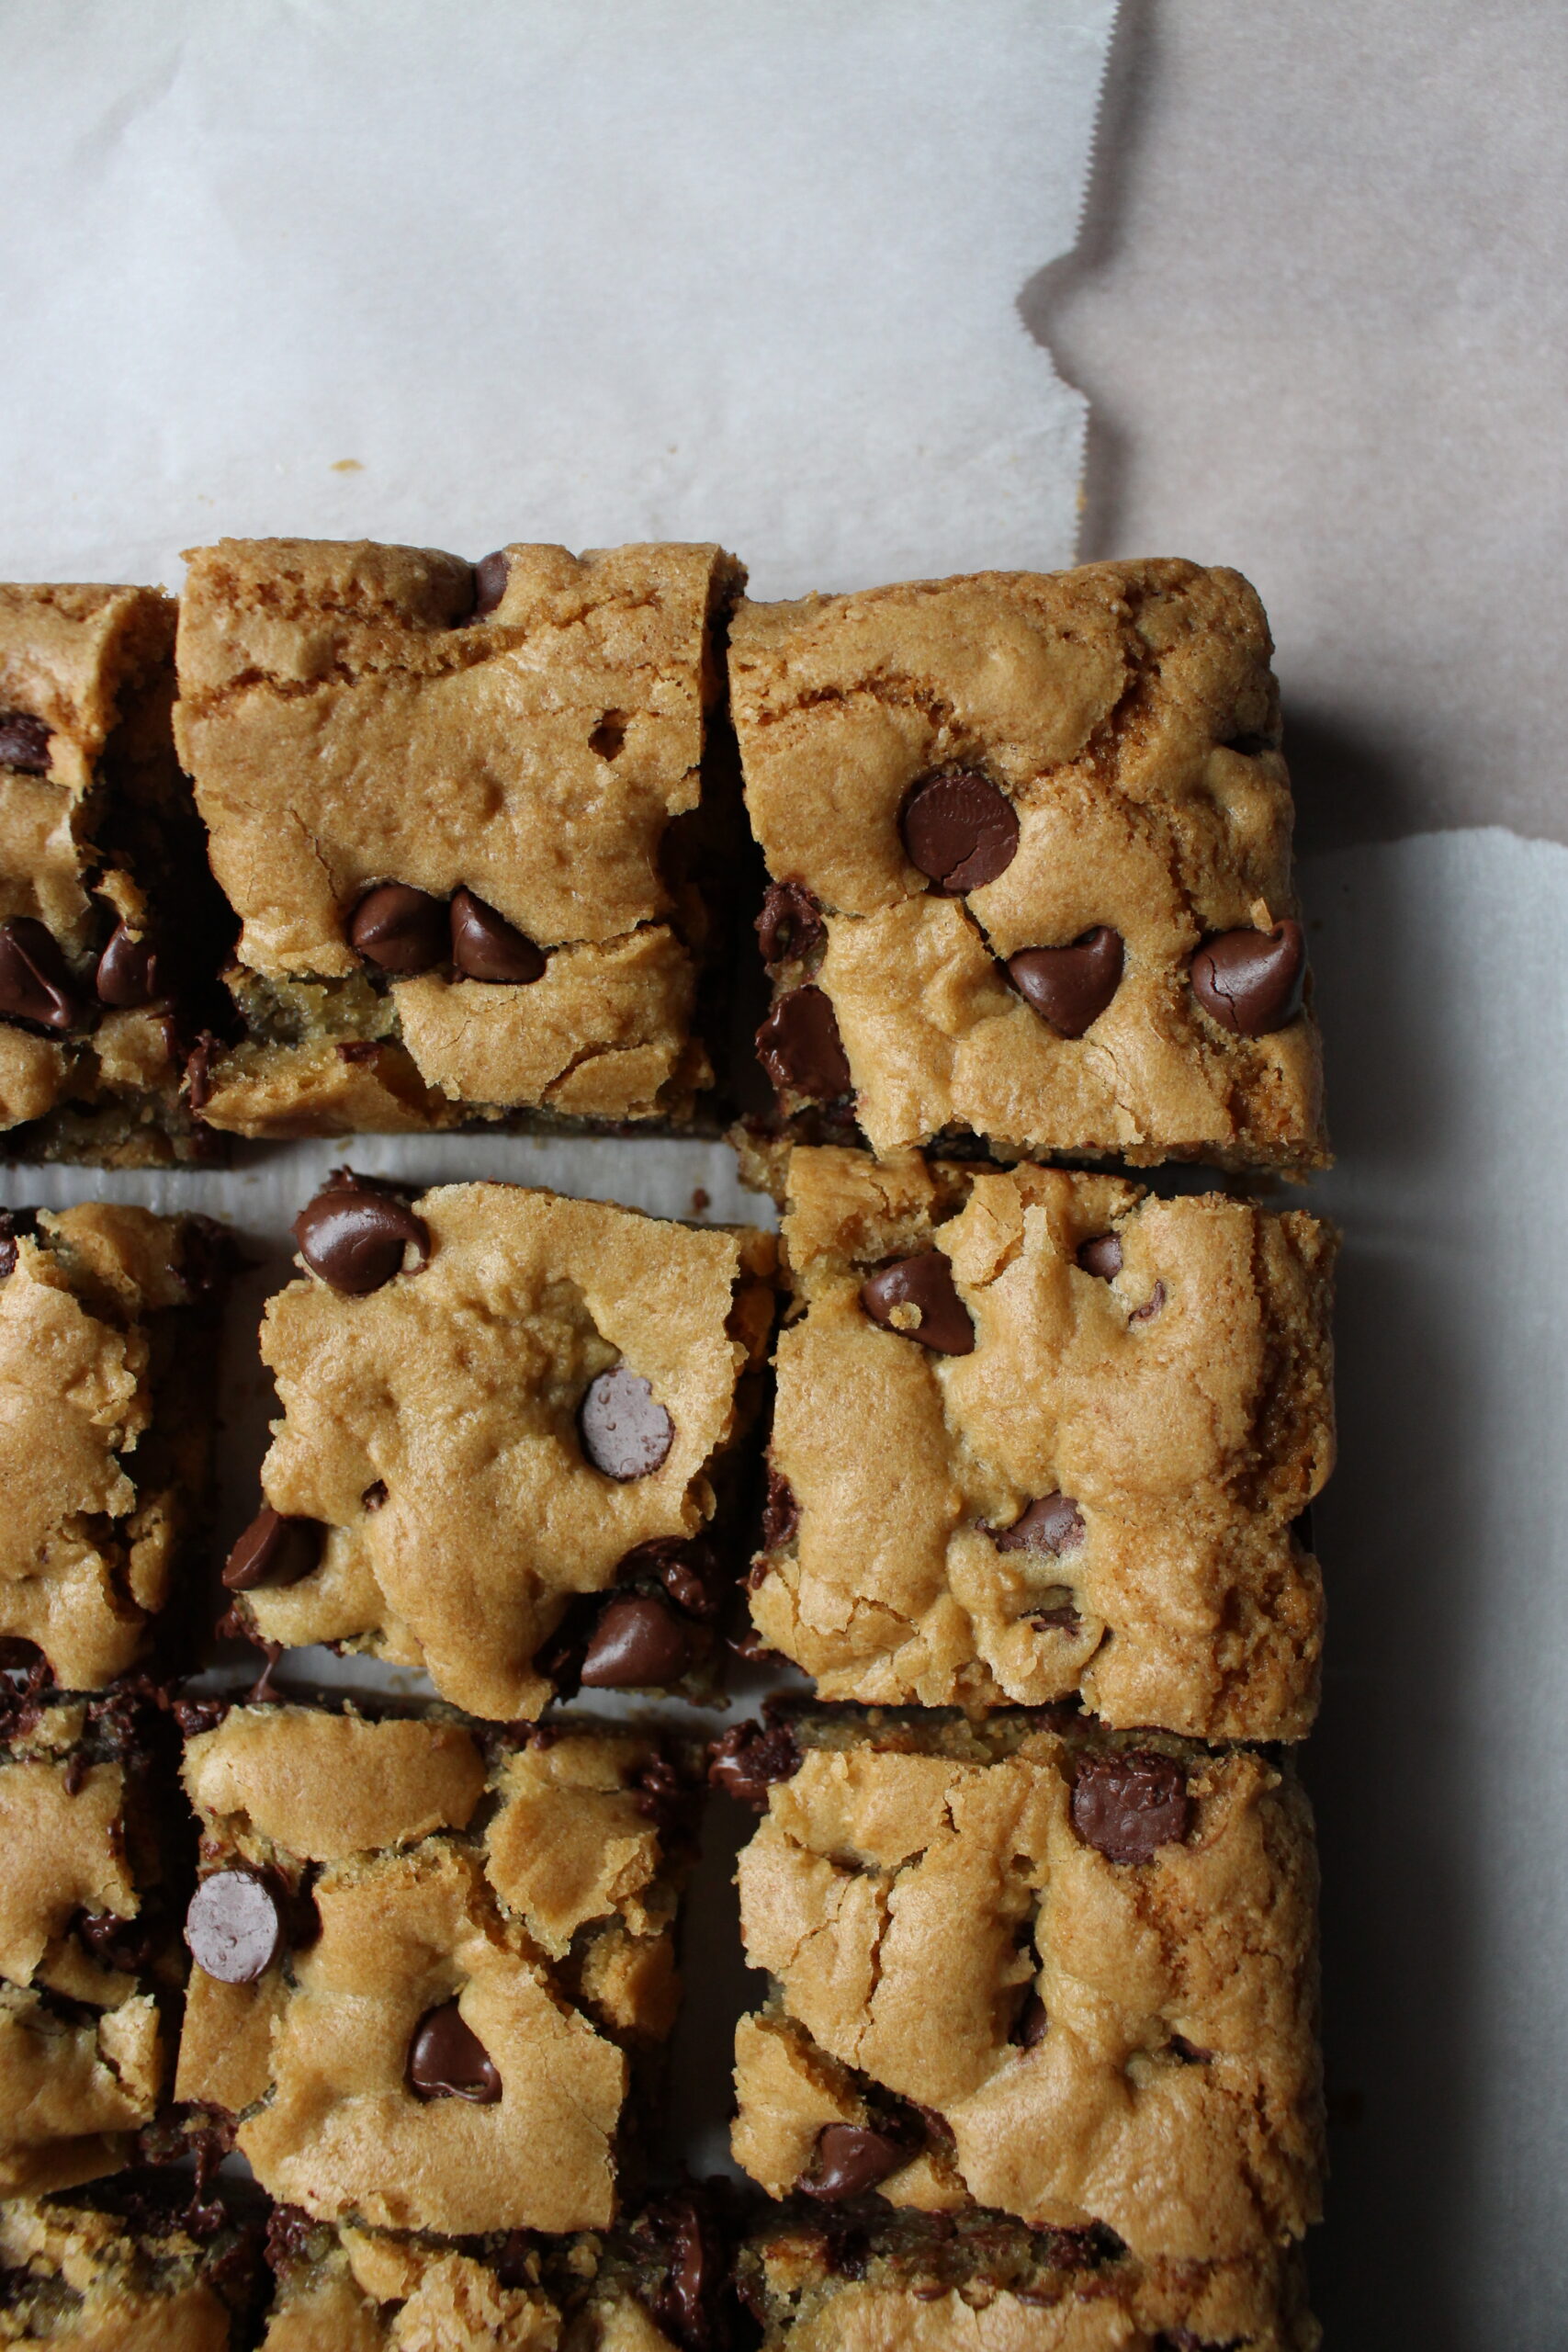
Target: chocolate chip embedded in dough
[
  {"x": 1150, "y": 1307},
  {"x": 790, "y": 924},
  {"x": 926, "y": 1284},
  {"x": 401, "y": 930},
  {"x": 354, "y": 1237},
  {"x": 1251, "y": 981},
  {"x": 637, "y": 1645},
  {"x": 960, "y": 829},
  {"x": 1071, "y": 987},
  {"x": 799, "y": 1046},
  {"x": 489, "y": 583},
  {"x": 1031, "y": 2028},
  {"x": 625, "y": 1430},
  {"x": 1052, "y": 1524},
  {"x": 1128, "y": 1806},
  {"x": 485, "y": 946},
  {"x": 1102, "y": 1256},
  {"x": 234, "y": 1926},
  {"x": 34, "y": 979},
  {"x": 851, "y": 2159},
  {"x": 746, "y": 1761},
  {"x": 127, "y": 971},
  {"x": 447, "y": 2059},
  {"x": 274, "y": 1552},
  {"x": 781, "y": 1512},
  {"x": 24, "y": 742}
]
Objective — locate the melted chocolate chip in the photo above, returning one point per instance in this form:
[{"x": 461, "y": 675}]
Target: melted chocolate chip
[
  {"x": 447, "y": 2059},
  {"x": 1251, "y": 981},
  {"x": 274, "y": 1552},
  {"x": 489, "y": 583},
  {"x": 686, "y": 1565},
  {"x": 485, "y": 946},
  {"x": 961, "y": 830},
  {"x": 851, "y": 2159},
  {"x": 1052, "y": 1524},
  {"x": 1128, "y": 1806},
  {"x": 125, "y": 1945},
  {"x": 208, "y": 1257},
  {"x": 34, "y": 979},
  {"x": 625, "y": 1430},
  {"x": 747, "y": 1761},
  {"x": 127, "y": 971},
  {"x": 234, "y": 1926},
  {"x": 790, "y": 924},
  {"x": 799, "y": 1046},
  {"x": 639, "y": 1644},
  {"x": 781, "y": 1512},
  {"x": 1071, "y": 987},
  {"x": 1102, "y": 1256},
  {"x": 24, "y": 742},
  {"x": 926, "y": 1284},
  {"x": 695, "y": 2267},
  {"x": 13, "y": 1223},
  {"x": 288, "y": 2232},
  {"x": 399, "y": 929},
  {"x": 354, "y": 1236},
  {"x": 1030, "y": 2030}
]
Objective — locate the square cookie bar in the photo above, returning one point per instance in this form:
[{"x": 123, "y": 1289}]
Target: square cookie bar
[
  {"x": 108, "y": 1338},
  {"x": 1037, "y": 1434},
  {"x": 509, "y": 1419},
  {"x": 1030, "y": 838},
  {"x": 126, "y": 2274},
  {"x": 1037, "y": 1966},
  {"x": 465, "y": 815},
  {"x": 982, "y": 2283},
  {"x": 111, "y": 928},
  {"x": 433, "y": 1966},
  {"x": 90, "y": 1957}
]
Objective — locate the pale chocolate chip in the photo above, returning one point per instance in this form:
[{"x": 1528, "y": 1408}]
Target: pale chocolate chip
[
  {"x": 354, "y": 1236},
  {"x": 625, "y": 1430},
  {"x": 24, "y": 742},
  {"x": 799, "y": 1046},
  {"x": 34, "y": 979},
  {"x": 1052, "y": 1524},
  {"x": 234, "y": 1926},
  {"x": 790, "y": 924},
  {"x": 637, "y": 1645},
  {"x": 127, "y": 971},
  {"x": 1150, "y": 1307},
  {"x": 1071, "y": 987},
  {"x": 925, "y": 1283},
  {"x": 746, "y": 1761},
  {"x": 485, "y": 946},
  {"x": 447, "y": 2059},
  {"x": 851, "y": 2159},
  {"x": 1251, "y": 981},
  {"x": 961, "y": 830},
  {"x": 274, "y": 1552},
  {"x": 1128, "y": 1806},
  {"x": 1102, "y": 1256},
  {"x": 489, "y": 583},
  {"x": 399, "y": 929}
]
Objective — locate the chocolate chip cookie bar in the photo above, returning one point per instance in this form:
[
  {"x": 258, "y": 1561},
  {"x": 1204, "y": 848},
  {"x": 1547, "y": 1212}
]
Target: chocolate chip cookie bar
[
  {"x": 509, "y": 1421},
  {"x": 111, "y": 928},
  {"x": 432, "y": 1965},
  {"x": 1034, "y": 1965},
  {"x": 1037, "y": 1434},
  {"x": 1030, "y": 841},
  {"x": 817, "y": 2282},
  {"x": 108, "y": 1337},
  {"x": 467, "y": 816},
  {"x": 125, "y": 2274},
  {"x": 90, "y": 1961}
]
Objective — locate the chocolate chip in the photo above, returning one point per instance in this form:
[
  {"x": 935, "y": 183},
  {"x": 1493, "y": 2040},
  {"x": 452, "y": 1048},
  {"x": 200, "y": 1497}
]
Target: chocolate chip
[
  {"x": 781, "y": 1512},
  {"x": 399, "y": 929},
  {"x": 694, "y": 2265},
  {"x": 1030, "y": 2029},
  {"x": 851, "y": 2159},
  {"x": 24, "y": 742},
  {"x": 1129, "y": 1806},
  {"x": 234, "y": 1926},
  {"x": 13, "y": 1223},
  {"x": 960, "y": 829},
  {"x": 485, "y": 946},
  {"x": 489, "y": 583},
  {"x": 747, "y": 1761},
  {"x": 356, "y": 1050},
  {"x": 34, "y": 979},
  {"x": 375, "y": 1495},
  {"x": 274, "y": 1552},
  {"x": 447, "y": 2059},
  {"x": 1101, "y": 1257},
  {"x": 637, "y": 1645},
  {"x": 1052, "y": 1524},
  {"x": 1150, "y": 1307},
  {"x": 208, "y": 1257},
  {"x": 125, "y": 1945},
  {"x": 1251, "y": 981},
  {"x": 1071, "y": 987},
  {"x": 790, "y": 924},
  {"x": 625, "y": 1430},
  {"x": 354, "y": 1237},
  {"x": 925, "y": 1283},
  {"x": 127, "y": 971},
  {"x": 76, "y": 1771},
  {"x": 799, "y": 1046}
]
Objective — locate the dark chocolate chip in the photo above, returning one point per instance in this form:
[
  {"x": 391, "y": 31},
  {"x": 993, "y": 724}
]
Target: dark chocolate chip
[
  {"x": 1030, "y": 2030},
  {"x": 24, "y": 742},
  {"x": 447, "y": 2059},
  {"x": 489, "y": 583},
  {"x": 127, "y": 971},
  {"x": 1251, "y": 981},
  {"x": 1128, "y": 1806},
  {"x": 1071, "y": 987},
  {"x": 799, "y": 1046},
  {"x": 694, "y": 2268},
  {"x": 234, "y": 1926},
  {"x": 76, "y": 1771},
  {"x": 274, "y": 1552},
  {"x": 125, "y": 1945},
  {"x": 790, "y": 924},
  {"x": 925, "y": 1283},
  {"x": 686, "y": 1565},
  {"x": 1052, "y": 1524},
  {"x": 34, "y": 979},
  {"x": 781, "y": 1512},
  {"x": 639, "y": 1644},
  {"x": 375, "y": 1495},
  {"x": 289, "y": 2233},
  {"x": 399, "y": 929},
  {"x": 746, "y": 1761},
  {"x": 851, "y": 2159},
  {"x": 354, "y": 1237},
  {"x": 1103, "y": 1256},
  {"x": 485, "y": 946},
  {"x": 625, "y": 1430},
  {"x": 1150, "y": 1307},
  {"x": 961, "y": 830},
  {"x": 1060, "y": 1615},
  {"x": 13, "y": 1223}
]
